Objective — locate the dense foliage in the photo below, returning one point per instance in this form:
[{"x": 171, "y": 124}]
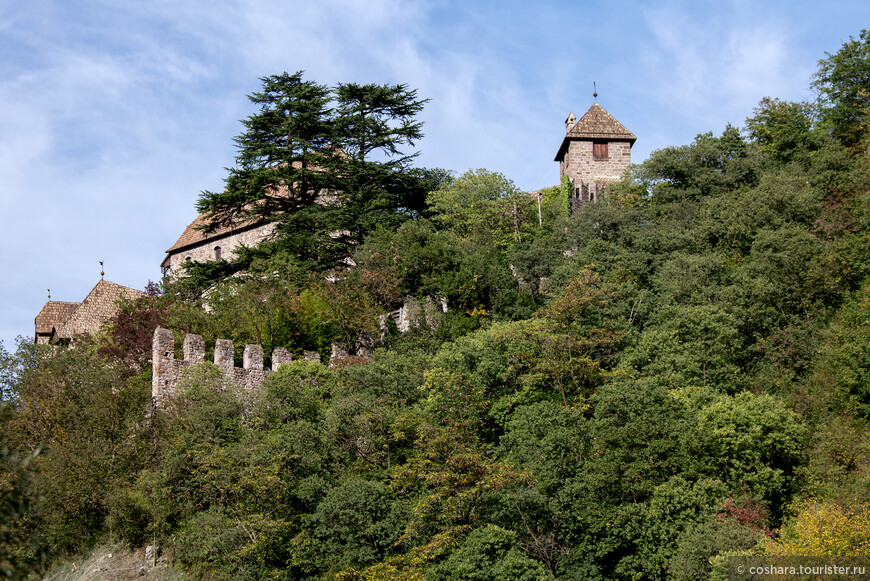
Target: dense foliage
[
  {"x": 632, "y": 391},
  {"x": 327, "y": 166}
]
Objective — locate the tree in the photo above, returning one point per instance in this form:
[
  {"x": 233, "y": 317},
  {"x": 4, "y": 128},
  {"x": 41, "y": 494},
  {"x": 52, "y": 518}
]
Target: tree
[
  {"x": 822, "y": 528},
  {"x": 843, "y": 83},
  {"x": 710, "y": 166},
  {"x": 327, "y": 176},
  {"x": 489, "y": 553},
  {"x": 689, "y": 345},
  {"x": 750, "y": 442},
  {"x": 357, "y": 524},
  {"x": 20, "y": 547},
  {"x": 375, "y": 121},
  {"x": 79, "y": 409},
  {"x": 783, "y": 130},
  {"x": 479, "y": 205},
  {"x": 131, "y": 330},
  {"x": 280, "y": 162}
]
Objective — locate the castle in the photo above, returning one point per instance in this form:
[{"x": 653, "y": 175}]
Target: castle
[
  {"x": 196, "y": 245},
  {"x": 167, "y": 370},
  {"x": 595, "y": 153},
  {"x": 62, "y": 321}
]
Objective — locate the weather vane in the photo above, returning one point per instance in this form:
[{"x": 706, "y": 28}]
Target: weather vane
[
  {"x": 49, "y": 293},
  {"x": 594, "y": 92},
  {"x": 102, "y": 273}
]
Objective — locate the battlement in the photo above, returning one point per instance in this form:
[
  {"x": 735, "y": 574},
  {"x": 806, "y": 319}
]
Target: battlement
[{"x": 167, "y": 370}]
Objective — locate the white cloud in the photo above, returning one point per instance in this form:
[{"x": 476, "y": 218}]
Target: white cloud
[
  {"x": 714, "y": 65},
  {"x": 116, "y": 114}
]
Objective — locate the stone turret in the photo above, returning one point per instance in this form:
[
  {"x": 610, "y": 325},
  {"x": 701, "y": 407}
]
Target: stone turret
[{"x": 595, "y": 153}]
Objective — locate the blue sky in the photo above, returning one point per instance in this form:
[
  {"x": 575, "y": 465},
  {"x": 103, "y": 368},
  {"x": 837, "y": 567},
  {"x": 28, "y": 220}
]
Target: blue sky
[{"x": 114, "y": 115}]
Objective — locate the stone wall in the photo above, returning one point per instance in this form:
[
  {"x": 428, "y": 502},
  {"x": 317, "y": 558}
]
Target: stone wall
[
  {"x": 589, "y": 175},
  {"x": 415, "y": 313},
  {"x": 167, "y": 371},
  {"x": 228, "y": 243}
]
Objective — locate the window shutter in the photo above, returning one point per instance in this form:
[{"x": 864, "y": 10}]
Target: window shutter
[{"x": 599, "y": 151}]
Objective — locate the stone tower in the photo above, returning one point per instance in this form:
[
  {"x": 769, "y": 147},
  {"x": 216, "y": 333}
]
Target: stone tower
[{"x": 595, "y": 153}]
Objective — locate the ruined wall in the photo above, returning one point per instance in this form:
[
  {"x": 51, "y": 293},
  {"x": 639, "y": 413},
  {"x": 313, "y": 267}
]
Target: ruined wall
[
  {"x": 167, "y": 370},
  {"x": 415, "y": 313}
]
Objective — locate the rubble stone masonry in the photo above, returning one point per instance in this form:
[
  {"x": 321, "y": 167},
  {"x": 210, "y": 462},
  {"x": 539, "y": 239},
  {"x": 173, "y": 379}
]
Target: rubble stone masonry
[
  {"x": 216, "y": 247},
  {"x": 581, "y": 167},
  {"x": 167, "y": 371}
]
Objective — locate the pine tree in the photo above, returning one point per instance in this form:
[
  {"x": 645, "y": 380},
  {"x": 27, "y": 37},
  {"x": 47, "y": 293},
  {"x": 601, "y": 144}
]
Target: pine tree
[
  {"x": 373, "y": 122},
  {"x": 327, "y": 176}
]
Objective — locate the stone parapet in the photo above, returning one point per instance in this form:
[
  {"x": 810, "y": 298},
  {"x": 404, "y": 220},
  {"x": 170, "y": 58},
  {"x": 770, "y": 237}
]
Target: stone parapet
[{"x": 167, "y": 371}]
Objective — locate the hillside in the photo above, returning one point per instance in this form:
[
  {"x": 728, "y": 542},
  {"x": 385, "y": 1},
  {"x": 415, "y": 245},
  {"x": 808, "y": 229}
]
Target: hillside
[{"x": 634, "y": 390}]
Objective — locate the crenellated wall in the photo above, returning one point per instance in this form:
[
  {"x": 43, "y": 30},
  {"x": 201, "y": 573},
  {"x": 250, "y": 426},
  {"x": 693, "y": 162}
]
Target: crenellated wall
[{"x": 167, "y": 370}]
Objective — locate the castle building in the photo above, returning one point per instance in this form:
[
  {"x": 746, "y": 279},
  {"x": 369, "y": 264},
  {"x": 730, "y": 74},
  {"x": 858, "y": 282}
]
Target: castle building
[
  {"x": 595, "y": 153},
  {"x": 62, "y": 321},
  {"x": 197, "y": 246}
]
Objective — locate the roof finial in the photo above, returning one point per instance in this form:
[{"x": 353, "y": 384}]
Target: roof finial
[
  {"x": 594, "y": 92},
  {"x": 102, "y": 274},
  {"x": 49, "y": 294}
]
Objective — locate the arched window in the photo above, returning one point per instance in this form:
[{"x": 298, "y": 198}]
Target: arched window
[{"x": 217, "y": 252}]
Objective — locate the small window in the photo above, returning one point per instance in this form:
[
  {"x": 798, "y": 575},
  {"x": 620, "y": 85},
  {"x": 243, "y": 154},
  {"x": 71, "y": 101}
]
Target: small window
[
  {"x": 187, "y": 259},
  {"x": 599, "y": 151},
  {"x": 217, "y": 252}
]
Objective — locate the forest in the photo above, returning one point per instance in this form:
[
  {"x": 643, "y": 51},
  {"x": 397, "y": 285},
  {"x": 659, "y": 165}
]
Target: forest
[{"x": 636, "y": 389}]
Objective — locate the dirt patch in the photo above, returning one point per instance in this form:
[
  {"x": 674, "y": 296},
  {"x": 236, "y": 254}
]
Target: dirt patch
[{"x": 116, "y": 564}]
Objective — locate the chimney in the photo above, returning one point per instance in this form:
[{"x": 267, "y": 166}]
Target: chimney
[{"x": 570, "y": 122}]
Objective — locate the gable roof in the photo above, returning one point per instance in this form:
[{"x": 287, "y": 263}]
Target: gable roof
[
  {"x": 98, "y": 307},
  {"x": 195, "y": 234},
  {"x": 596, "y": 123}
]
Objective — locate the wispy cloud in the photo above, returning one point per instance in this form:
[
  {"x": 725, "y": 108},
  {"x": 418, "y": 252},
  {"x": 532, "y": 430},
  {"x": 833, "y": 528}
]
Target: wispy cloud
[
  {"x": 116, "y": 114},
  {"x": 712, "y": 65}
]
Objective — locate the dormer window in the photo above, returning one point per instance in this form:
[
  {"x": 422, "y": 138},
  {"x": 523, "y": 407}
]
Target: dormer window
[
  {"x": 599, "y": 151},
  {"x": 217, "y": 252}
]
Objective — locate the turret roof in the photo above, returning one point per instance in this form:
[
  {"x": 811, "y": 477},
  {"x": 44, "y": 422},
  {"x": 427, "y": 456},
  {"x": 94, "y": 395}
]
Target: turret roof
[{"x": 596, "y": 123}]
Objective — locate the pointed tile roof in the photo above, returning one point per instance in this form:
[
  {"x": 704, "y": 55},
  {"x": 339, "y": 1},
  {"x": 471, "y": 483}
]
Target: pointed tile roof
[
  {"x": 98, "y": 307},
  {"x": 596, "y": 123}
]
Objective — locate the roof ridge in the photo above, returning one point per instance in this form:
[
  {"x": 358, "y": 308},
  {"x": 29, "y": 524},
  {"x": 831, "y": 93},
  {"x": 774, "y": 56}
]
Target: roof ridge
[{"x": 193, "y": 234}]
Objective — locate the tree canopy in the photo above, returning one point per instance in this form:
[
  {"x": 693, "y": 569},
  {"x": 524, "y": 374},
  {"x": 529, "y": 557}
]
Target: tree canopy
[{"x": 327, "y": 165}]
